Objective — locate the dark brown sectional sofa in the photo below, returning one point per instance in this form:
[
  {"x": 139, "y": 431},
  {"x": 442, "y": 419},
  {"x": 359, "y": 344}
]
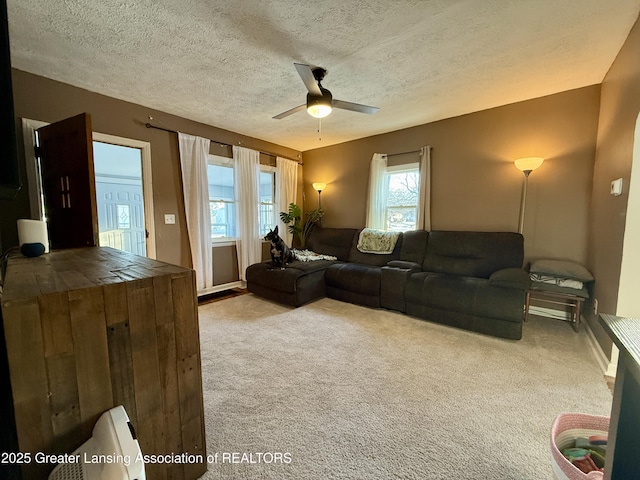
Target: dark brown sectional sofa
[{"x": 471, "y": 280}]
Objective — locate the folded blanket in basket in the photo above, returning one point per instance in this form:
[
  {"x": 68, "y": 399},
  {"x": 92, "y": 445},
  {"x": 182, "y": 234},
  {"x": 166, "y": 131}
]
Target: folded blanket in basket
[
  {"x": 309, "y": 256},
  {"x": 377, "y": 241}
]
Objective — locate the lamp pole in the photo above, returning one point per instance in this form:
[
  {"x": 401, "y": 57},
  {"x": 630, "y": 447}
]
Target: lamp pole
[
  {"x": 523, "y": 200},
  {"x": 526, "y": 166}
]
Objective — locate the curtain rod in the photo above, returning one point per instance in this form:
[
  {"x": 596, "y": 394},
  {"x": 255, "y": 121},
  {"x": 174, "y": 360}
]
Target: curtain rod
[
  {"x": 401, "y": 153},
  {"x": 222, "y": 144}
]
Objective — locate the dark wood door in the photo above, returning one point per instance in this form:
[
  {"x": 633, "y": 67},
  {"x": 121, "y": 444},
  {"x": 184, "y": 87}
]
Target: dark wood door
[{"x": 68, "y": 182}]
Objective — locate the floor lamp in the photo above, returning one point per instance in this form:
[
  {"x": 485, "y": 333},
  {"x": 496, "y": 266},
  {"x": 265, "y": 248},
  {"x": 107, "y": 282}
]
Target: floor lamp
[
  {"x": 319, "y": 187},
  {"x": 526, "y": 165}
]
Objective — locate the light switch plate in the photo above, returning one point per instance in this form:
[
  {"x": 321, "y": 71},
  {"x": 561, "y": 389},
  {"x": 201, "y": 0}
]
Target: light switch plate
[
  {"x": 616, "y": 187},
  {"x": 169, "y": 219}
]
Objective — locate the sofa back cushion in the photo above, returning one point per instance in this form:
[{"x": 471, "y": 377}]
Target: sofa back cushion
[
  {"x": 473, "y": 254},
  {"x": 414, "y": 246},
  {"x": 332, "y": 241}
]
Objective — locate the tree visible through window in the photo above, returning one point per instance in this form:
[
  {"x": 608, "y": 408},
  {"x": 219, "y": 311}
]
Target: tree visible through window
[{"x": 402, "y": 199}]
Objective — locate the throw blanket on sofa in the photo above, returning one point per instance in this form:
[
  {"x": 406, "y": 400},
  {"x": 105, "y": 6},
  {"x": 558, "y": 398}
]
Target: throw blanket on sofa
[
  {"x": 309, "y": 256},
  {"x": 377, "y": 241}
]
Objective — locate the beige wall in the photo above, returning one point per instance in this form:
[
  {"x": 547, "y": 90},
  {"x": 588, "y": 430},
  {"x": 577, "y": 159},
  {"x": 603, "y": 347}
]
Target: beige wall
[
  {"x": 620, "y": 105},
  {"x": 474, "y": 182},
  {"x": 38, "y": 98}
]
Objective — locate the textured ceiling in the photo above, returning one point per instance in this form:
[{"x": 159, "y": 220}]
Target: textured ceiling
[{"x": 230, "y": 63}]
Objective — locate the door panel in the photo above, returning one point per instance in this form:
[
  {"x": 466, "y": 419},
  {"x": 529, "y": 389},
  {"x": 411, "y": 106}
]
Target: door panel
[
  {"x": 121, "y": 217},
  {"x": 66, "y": 163}
]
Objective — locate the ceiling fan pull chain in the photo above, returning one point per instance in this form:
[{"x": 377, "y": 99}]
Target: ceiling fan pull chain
[{"x": 319, "y": 129}]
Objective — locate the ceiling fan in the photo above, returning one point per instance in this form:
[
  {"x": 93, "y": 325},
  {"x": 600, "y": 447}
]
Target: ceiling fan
[{"x": 320, "y": 102}]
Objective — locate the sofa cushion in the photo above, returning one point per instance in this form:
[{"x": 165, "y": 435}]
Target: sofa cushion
[
  {"x": 283, "y": 280},
  {"x": 414, "y": 246},
  {"x": 473, "y": 254},
  {"x": 354, "y": 277},
  {"x": 332, "y": 241},
  {"x": 469, "y": 295}
]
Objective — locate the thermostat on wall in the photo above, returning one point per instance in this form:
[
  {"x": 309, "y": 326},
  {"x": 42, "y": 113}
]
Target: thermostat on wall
[{"x": 616, "y": 187}]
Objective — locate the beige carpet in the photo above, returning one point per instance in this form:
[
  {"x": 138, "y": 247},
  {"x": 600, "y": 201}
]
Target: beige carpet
[{"x": 337, "y": 391}]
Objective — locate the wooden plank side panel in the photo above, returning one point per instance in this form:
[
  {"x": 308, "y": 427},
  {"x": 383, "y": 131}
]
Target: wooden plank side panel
[
  {"x": 115, "y": 303},
  {"x": 121, "y": 368},
  {"x": 190, "y": 385},
  {"x": 185, "y": 309},
  {"x": 146, "y": 371},
  {"x": 56, "y": 323},
  {"x": 170, "y": 394},
  {"x": 193, "y": 434},
  {"x": 189, "y": 369},
  {"x": 150, "y": 435},
  {"x": 25, "y": 352},
  {"x": 88, "y": 329},
  {"x": 163, "y": 299},
  {"x": 65, "y": 403}
]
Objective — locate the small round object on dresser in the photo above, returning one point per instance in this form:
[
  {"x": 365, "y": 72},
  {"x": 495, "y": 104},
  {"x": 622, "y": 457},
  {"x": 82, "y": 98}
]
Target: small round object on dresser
[{"x": 32, "y": 249}]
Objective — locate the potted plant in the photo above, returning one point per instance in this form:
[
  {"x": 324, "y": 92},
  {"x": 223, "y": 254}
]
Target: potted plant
[{"x": 293, "y": 219}]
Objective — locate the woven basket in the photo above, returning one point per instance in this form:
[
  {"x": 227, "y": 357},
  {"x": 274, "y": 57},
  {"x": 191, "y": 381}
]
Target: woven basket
[{"x": 565, "y": 429}]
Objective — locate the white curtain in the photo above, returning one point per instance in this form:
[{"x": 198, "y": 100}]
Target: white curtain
[
  {"x": 194, "y": 153},
  {"x": 286, "y": 183},
  {"x": 246, "y": 182},
  {"x": 377, "y": 202},
  {"x": 424, "y": 202}
]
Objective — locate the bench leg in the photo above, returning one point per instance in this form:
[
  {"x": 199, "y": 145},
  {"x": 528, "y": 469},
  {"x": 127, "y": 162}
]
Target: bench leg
[{"x": 526, "y": 306}]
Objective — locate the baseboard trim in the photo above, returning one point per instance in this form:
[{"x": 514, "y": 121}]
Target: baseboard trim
[
  {"x": 607, "y": 366},
  {"x": 221, "y": 288}
]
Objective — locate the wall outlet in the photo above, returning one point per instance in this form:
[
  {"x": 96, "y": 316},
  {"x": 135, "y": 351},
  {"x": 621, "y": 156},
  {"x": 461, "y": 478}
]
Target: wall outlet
[
  {"x": 595, "y": 306},
  {"x": 169, "y": 219}
]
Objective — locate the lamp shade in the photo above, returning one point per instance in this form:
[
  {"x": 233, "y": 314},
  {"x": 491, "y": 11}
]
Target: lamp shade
[
  {"x": 319, "y": 186},
  {"x": 528, "y": 164},
  {"x": 319, "y": 106}
]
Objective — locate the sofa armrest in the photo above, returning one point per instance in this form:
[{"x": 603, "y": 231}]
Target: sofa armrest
[
  {"x": 511, "y": 278},
  {"x": 413, "y": 267}
]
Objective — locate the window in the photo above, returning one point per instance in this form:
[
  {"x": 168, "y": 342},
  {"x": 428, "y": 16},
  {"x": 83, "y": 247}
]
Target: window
[
  {"x": 403, "y": 187},
  {"x": 124, "y": 216},
  {"x": 221, "y": 198},
  {"x": 267, "y": 207}
]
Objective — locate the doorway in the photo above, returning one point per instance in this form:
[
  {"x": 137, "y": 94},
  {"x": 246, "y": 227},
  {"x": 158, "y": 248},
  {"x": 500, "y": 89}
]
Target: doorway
[
  {"x": 119, "y": 195},
  {"x": 628, "y": 305},
  {"x": 123, "y": 189}
]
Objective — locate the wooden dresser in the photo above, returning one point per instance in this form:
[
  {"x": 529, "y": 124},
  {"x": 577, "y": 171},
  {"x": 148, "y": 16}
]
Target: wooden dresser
[{"x": 92, "y": 328}]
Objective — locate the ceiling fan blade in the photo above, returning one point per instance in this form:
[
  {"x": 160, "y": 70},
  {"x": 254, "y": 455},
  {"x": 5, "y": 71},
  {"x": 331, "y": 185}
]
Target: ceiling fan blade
[
  {"x": 307, "y": 77},
  {"x": 354, "y": 107},
  {"x": 290, "y": 112}
]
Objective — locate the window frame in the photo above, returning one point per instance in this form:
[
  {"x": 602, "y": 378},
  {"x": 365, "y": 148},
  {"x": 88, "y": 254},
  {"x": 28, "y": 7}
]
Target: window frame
[
  {"x": 272, "y": 170},
  {"x": 226, "y": 162},
  {"x": 395, "y": 169}
]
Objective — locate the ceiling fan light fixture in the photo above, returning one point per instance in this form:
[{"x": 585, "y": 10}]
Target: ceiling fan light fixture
[{"x": 319, "y": 106}]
